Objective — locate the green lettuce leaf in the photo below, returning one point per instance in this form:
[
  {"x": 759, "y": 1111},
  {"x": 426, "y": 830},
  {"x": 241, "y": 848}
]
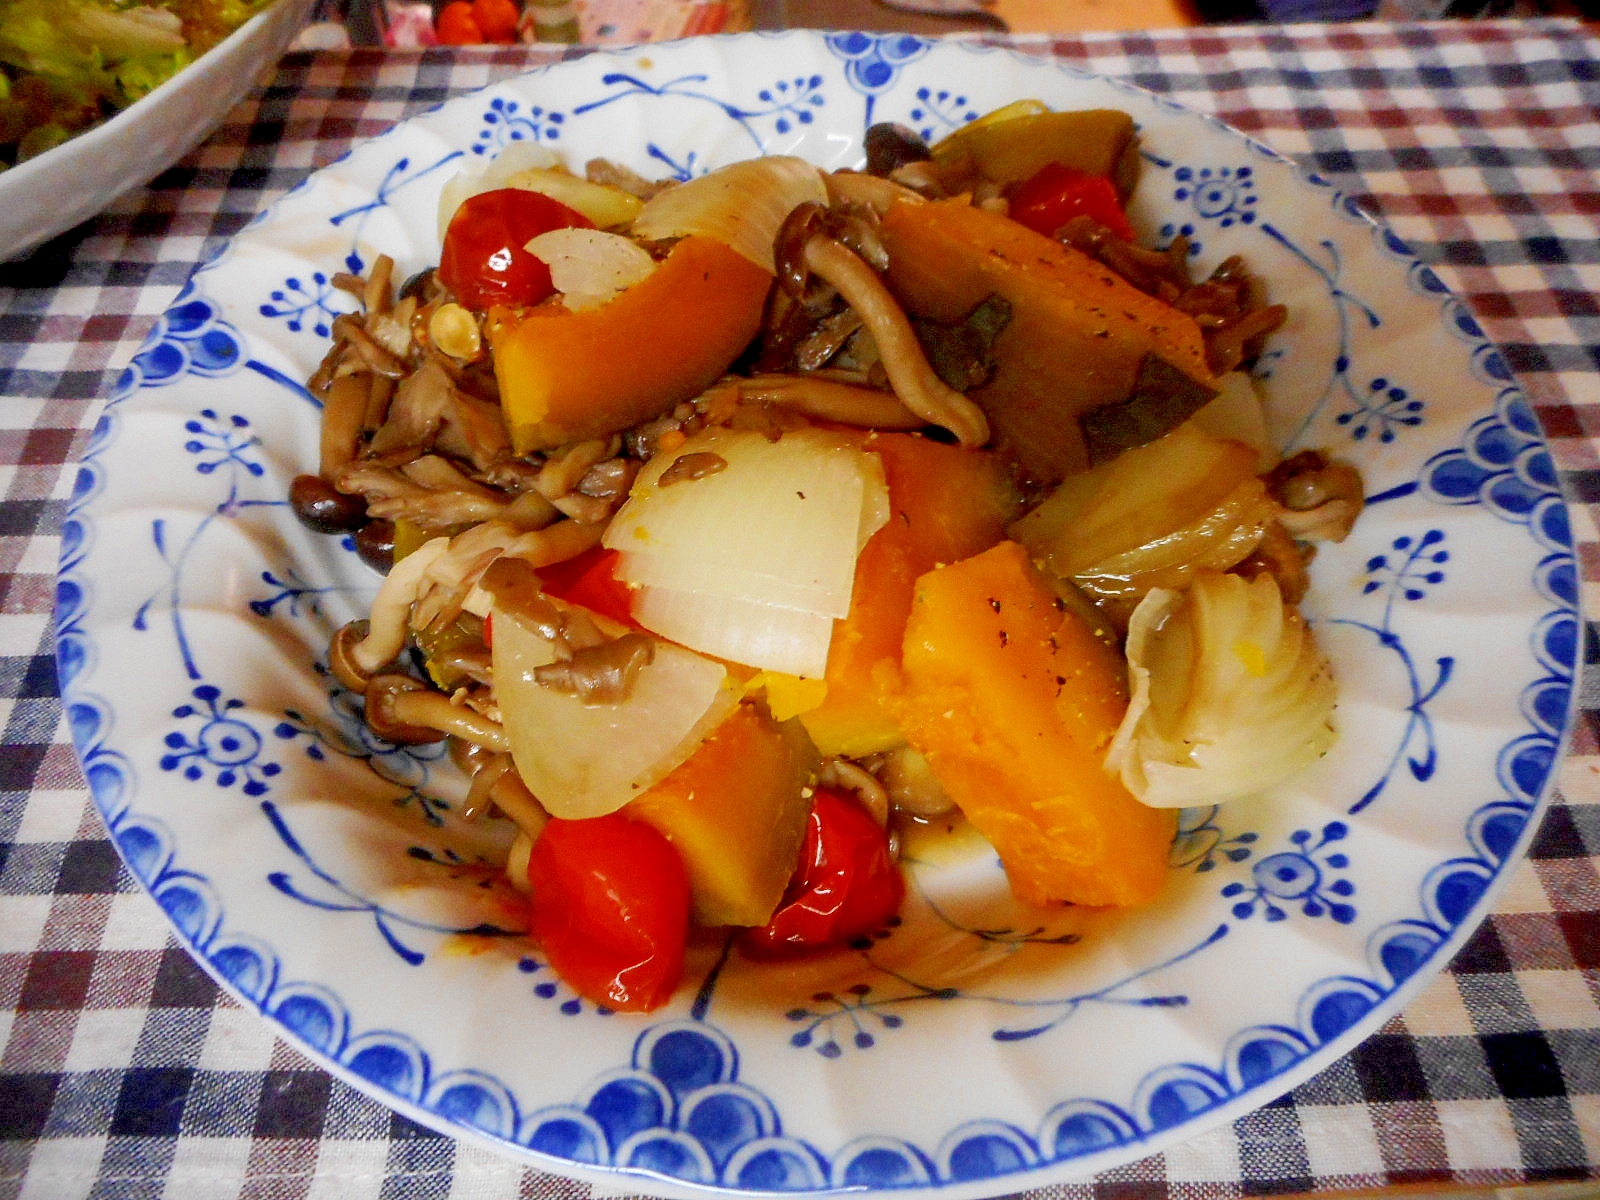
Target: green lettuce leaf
[{"x": 67, "y": 64}]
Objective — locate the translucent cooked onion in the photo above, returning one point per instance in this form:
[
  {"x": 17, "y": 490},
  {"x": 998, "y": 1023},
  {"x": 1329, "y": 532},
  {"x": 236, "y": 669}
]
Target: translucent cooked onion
[
  {"x": 1236, "y": 413},
  {"x": 585, "y": 760},
  {"x": 589, "y": 266},
  {"x": 769, "y": 636},
  {"x": 741, "y": 205},
  {"x": 753, "y": 561},
  {"x": 1231, "y": 694},
  {"x": 497, "y": 173},
  {"x": 1137, "y": 498},
  {"x": 535, "y": 168},
  {"x": 120, "y": 32},
  {"x": 1221, "y": 539}
]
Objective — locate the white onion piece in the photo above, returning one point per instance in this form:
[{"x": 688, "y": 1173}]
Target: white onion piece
[
  {"x": 1231, "y": 694},
  {"x": 586, "y": 760},
  {"x": 740, "y": 205},
  {"x": 608, "y": 207},
  {"x": 1236, "y": 414},
  {"x": 496, "y": 173},
  {"x": 530, "y": 167},
  {"x": 588, "y": 266},
  {"x": 744, "y": 631},
  {"x": 1137, "y": 499},
  {"x": 781, "y": 524}
]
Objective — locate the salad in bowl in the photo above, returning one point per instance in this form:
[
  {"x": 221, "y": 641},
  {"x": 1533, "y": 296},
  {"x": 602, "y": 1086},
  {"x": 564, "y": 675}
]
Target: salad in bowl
[{"x": 97, "y": 98}]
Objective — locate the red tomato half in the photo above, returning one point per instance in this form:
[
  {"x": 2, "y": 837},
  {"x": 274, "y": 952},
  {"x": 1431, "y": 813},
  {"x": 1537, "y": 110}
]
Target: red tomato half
[
  {"x": 846, "y": 887},
  {"x": 484, "y": 262},
  {"x": 610, "y": 909},
  {"x": 1057, "y": 193},
  {"x": 497, "y": 19},
  {"x": 456, "y": 26}
]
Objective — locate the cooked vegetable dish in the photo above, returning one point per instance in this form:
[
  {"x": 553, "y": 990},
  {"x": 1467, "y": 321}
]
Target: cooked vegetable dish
[{"x": 734, "y": 527}]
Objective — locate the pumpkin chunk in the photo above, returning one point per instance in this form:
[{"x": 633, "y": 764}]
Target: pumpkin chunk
[
  {"x": 945, "y": 504},
  {"x": 1078, "y": 336},
  {"x": 736, "y": 812},
  {"x": 1014, "y": 703},
  {"x": 565, "y": 376}
]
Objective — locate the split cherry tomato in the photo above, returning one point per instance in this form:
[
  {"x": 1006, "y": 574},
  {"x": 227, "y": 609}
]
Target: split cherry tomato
[
  {"x": 610, "y": 909},
  {"x": 497, "y": 19},
  {"x": 484, "y": 262},
  {"x": 456, "y": 26},
  {"x": 1056, "y": 193},
  {"x": 589, "y": 580},
  {"x": 846, "y": 887}
]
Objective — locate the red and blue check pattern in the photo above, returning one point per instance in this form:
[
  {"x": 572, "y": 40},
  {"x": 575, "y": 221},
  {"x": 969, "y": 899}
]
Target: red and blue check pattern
[{"x": 126, "y": 1073}]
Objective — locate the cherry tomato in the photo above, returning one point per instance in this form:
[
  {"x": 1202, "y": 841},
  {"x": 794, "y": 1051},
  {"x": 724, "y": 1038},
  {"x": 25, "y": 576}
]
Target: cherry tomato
[
  {"x": 589, "y": 580},
  {"x": 456, "y": 26},
  {"x": 484, "y": 262},
  {"x": 1057, "y": 193},
  {"x": 846, "y": 887},
  {"x": 610, "y": 909},
  {"x": 497, "y": 19}
]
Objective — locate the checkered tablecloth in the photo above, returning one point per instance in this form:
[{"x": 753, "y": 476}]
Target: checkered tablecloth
[{"x": 126, "y": 1073}]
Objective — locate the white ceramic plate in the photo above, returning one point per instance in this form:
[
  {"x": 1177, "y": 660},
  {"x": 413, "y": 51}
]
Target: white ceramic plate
[
  {"x": 979, "y": 1048},
  {"x": 79, "y": 178}
]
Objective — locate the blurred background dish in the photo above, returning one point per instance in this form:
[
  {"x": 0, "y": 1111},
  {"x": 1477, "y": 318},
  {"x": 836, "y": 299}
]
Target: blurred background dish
[{"x": 55, "y": 190}]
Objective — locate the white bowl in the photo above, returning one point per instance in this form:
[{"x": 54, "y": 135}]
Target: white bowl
[{"x": 71, "y": 183}]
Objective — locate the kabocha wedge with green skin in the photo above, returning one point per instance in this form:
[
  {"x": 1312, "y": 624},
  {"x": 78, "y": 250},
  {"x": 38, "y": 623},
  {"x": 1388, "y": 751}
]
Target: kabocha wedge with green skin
[
  {"x": 1078, "y": 338},
  {"x": 736, "y": 813}
]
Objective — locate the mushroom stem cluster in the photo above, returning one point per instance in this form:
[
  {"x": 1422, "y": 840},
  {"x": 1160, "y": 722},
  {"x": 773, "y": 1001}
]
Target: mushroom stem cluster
[{"x": 914, "y": 380}]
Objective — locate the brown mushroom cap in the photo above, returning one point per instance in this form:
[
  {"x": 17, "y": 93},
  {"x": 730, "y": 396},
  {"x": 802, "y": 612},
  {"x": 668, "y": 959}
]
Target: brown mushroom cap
[
  {"x": 383, "y": 691},
  {"x": 342, "y": 661}
]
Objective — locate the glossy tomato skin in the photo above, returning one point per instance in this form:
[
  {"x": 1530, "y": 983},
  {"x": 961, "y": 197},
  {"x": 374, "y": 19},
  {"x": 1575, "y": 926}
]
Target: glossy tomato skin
[
  {"x": 846, "y": 887},
  {"x": 497, "y": 19},
  {"x": 1056, "y": 193},
  {"x": 610, "y": 909},
  {"x": 456, "y": 26},
  {"x": 484, "y": 261}
]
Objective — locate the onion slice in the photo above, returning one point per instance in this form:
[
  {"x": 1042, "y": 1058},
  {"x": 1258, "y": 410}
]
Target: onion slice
[
  {"x": 754, "y": 561},
  {"x": 741, "y": 205},
  {"x": 781, "y": 523},
  {"x": 589, "y": 266},
  {"x": 1231, "y": 694},
  {"x": 1237, "y": 413},
  {"x": 586, "y": 760},
  {"x": 769, "y": 636},
  {"x": 533, "y": 167}
]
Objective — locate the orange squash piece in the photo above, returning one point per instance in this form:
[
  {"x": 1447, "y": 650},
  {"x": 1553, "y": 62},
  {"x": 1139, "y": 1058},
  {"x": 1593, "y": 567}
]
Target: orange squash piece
[
  {"x": 950, "y": 502},
  {"x": 1013, "y": 702},
  {"x": 945, "y": 504},
  {"x": 863, "y": 657},
  {"x": 736, "y": 811},
  {"x": 565, "y": 375},
  {"x": 1077, "y": 336}
]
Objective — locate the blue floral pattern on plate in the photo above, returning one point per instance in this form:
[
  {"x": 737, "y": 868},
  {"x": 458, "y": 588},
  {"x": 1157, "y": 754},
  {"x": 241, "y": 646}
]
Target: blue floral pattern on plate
[{"x": 249, "y": 802}]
